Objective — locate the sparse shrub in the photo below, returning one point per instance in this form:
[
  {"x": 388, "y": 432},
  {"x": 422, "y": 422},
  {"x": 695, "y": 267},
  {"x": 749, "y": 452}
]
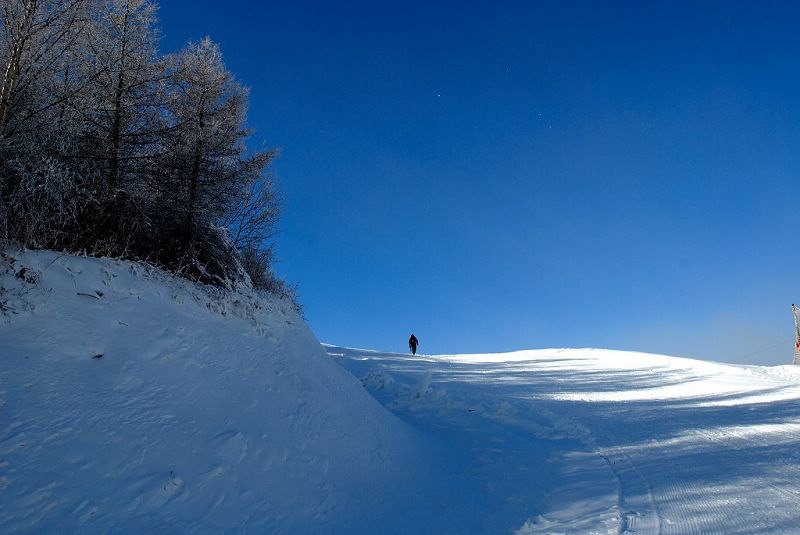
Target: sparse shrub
[{"x": 258, "y": 265}]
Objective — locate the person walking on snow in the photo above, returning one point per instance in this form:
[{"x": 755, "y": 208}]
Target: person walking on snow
[{"x": 412, "y": 344}]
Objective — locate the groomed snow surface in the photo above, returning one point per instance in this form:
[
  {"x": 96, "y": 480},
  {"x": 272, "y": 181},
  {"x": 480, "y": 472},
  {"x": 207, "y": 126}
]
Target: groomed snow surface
[
  {"x": 131, "y": 402},
  {"x": 594, "y": 441}
]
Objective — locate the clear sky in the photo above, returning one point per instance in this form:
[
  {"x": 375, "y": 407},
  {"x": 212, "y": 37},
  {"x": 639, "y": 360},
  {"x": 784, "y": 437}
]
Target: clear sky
[{"x": 508, "y": 175}]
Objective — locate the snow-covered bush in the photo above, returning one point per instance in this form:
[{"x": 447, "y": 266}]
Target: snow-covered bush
[
  {"x": 43, "y": 202},
  {"x": 258, "y": 265}
]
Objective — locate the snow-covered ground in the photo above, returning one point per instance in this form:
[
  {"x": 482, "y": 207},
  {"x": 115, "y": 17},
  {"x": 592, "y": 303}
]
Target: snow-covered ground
[
  {"x": 132, "y": 402},
  {"x": 595, "y": 441}
]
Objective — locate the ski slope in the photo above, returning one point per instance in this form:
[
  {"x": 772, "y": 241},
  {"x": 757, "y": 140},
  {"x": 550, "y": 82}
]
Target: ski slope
[
  {"x": 594, "y": 441},
  {"x": 134, "y": 402}
]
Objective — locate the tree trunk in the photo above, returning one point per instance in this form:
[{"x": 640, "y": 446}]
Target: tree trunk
[
  {"x": 194, "y": 178},
  {"x": 116, "y": 127},
  {"x": 11, "y": 72}
]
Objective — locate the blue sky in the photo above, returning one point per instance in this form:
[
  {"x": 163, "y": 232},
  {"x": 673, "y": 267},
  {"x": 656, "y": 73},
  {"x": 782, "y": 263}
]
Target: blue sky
[{"x": 532, "y": 174}]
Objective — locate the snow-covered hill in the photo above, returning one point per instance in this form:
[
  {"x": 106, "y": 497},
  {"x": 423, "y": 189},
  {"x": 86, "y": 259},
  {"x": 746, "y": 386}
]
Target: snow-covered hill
[
  {"x": 134, "y": 402},
  {"x": 593, "y": 441}
]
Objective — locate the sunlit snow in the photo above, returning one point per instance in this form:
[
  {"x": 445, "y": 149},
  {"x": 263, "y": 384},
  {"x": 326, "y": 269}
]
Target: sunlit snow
[{"x": 133, "y": 402}]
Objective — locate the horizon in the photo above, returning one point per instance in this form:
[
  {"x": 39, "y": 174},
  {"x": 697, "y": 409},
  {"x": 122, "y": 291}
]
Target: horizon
[{"x": 500, "y": 178}]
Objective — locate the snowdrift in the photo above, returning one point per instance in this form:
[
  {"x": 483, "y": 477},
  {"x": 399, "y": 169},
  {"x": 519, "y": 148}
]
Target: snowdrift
[{"x": 131, "y": 401}]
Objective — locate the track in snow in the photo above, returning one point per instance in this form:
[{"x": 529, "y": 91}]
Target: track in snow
[{"x": 592, "y": 441}]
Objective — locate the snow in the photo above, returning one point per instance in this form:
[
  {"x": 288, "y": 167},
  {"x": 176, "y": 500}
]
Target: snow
[
  {"x": 208, "y": 411},
  {"x": 598, "y": 441},
  {"x": 133, "y": 402}
]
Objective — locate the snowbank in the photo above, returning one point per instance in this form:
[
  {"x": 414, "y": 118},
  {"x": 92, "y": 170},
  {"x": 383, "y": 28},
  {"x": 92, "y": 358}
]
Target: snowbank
[{"x": 134, "y": 402}]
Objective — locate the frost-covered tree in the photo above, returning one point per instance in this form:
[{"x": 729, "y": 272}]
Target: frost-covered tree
[
  {"x": 108, "y": 147},
  {"x": 252, "y": 221},
  {"x": 122, "y": 125},
  {"x": 207, "y": 163},
  {"x": 36, "y": 37},
  {"x": 207, "y": 178},
  {"x": 40, "y": 194}
]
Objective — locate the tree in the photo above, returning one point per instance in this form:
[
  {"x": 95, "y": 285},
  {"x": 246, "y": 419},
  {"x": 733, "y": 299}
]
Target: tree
[
  {"x": 206, "y": 159},
  {"x": 36, "y": 36},
  {"x": 40, "y": 195},
  {"x": 110, "y": 148},
  {"x": 121, "y": 128},
  {"x": 251, "y": 223}
]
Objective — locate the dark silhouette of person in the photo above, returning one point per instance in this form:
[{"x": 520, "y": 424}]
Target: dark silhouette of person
[{"x": 412, "y": 344}]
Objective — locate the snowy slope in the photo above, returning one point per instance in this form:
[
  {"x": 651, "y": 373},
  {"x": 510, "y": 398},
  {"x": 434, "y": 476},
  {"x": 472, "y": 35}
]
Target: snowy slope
[
  {"x": 593, "y": 441},
  {"x": 134, "y": 402}
]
